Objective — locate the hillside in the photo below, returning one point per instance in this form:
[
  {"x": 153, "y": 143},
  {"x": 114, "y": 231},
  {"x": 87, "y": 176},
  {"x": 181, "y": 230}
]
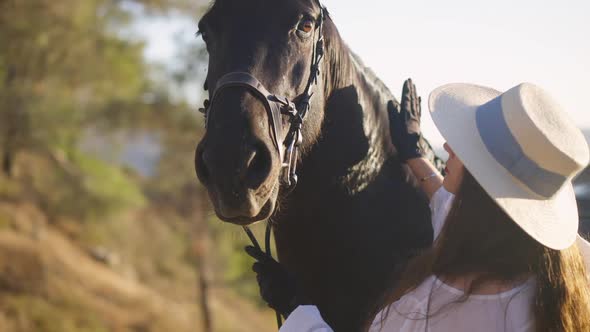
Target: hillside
[{"x": 50, "y": 283}]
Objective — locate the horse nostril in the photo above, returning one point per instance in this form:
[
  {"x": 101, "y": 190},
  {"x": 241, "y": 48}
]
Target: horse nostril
[
  {"x": 201, "y": 166},
  {"x": 258, "y": 166}
]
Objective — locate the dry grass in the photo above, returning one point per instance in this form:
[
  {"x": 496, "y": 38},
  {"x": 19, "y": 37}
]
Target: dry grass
[{"x": 49, "y": 283}]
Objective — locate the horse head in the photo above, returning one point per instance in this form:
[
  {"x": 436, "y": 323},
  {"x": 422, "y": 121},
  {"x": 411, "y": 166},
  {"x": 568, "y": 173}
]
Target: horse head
[{"x": 261, "y": 58}]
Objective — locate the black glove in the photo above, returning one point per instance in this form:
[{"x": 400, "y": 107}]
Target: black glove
[
  {"x": 404, "y": 123},
  {"x": 278, "y": 287}
]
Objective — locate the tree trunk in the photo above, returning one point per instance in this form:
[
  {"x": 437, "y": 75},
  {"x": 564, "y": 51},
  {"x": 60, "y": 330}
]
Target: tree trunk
[
  {"x": 7, "y": 163},
  {"x": 200, "y": 235}
]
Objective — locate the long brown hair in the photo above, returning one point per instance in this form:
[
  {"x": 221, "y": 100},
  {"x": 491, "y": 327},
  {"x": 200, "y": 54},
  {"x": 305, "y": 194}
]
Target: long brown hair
[{"x": 479, "y": 239}]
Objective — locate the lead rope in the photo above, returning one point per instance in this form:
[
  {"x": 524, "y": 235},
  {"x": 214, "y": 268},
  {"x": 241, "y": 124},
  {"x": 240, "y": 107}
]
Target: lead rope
[{"x": 268, "y": 251}]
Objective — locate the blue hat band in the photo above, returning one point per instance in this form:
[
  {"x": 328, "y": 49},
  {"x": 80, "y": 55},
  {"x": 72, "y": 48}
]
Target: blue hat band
[{"x": 503, "y": 146}]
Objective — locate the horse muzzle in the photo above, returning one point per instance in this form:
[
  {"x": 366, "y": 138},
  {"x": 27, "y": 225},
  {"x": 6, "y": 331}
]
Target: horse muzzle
[{"x": 237, "y": 161}]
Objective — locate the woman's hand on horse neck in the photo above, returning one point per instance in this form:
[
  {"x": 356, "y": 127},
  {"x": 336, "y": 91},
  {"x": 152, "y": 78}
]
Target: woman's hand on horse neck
[{"x": 404, "y": 124}]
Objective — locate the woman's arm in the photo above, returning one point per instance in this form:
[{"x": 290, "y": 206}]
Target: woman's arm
[
  {"x": 429, "y": 177},
  {"x": 404, "y": 124}
]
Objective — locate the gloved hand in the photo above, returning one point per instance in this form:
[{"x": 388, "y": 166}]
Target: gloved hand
[
  {"x": 278, "y": 287},
  {"x": 404, "y": 123}
]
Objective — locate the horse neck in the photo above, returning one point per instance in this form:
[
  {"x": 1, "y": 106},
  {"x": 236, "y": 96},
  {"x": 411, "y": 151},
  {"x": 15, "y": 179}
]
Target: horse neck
[{"x": 355, "y": 140}]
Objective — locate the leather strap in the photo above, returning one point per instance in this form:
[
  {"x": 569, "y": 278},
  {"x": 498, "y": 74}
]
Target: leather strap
[{"x": 274, "y": 105}]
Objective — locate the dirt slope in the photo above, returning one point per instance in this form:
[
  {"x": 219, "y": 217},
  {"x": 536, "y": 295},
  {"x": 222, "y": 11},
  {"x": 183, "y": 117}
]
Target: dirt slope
[{"x": 47, "y": 283}]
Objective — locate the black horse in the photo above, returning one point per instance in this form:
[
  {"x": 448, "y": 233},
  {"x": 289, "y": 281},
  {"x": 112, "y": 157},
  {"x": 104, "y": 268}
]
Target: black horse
[{"x": 356, "y": 212}]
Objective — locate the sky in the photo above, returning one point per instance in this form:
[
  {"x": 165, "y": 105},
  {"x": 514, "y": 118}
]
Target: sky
[{"x": 497, "y": 43}]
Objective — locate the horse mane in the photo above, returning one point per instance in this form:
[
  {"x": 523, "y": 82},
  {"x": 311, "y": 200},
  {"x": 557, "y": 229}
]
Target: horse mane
[
  {"x": 371, "y": 77},
  {"x": 343, "y": 61}
]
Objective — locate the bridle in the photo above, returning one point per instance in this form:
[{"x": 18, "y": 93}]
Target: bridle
[{"x": 278, "y": 106}]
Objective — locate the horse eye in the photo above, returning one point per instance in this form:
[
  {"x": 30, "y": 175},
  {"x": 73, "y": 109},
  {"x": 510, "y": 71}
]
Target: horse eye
[
  {"x": 204, "y": 35},
  {"x": 306, "y": 26},
  {"x": 202, "y": 32}
]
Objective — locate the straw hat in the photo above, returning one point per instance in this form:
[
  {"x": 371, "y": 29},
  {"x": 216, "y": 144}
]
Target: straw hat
[{"x": 522, "y": 148}]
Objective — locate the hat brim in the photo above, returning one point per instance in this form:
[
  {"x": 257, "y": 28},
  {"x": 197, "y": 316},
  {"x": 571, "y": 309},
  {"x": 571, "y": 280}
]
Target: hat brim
[{"x": 552, "y": 222}]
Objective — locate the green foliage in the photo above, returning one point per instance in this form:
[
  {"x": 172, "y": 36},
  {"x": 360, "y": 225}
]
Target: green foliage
[
  {"x": 80, "y": 186},
  {"x": 68, "y": 67},
  {"x": 110, "y": 187}
]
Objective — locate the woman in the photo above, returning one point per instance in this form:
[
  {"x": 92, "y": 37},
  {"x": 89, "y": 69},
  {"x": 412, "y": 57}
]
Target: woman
[{"x": 506, "y": 254}]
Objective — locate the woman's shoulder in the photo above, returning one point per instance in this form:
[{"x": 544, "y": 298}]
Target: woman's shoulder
[
  {"x": 417, "y": 299},
  {"x": 434, "y": 287},
  {"x": 445, "y": 305},
  {"x": 490, "y": 290}
]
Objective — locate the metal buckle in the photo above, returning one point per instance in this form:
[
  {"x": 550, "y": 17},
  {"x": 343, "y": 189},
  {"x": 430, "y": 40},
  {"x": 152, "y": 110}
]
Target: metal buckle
[
  {"x": 287, "y": 106},
  {"x": 205, "y": 111},
  {"x": 290, "y": 176}
]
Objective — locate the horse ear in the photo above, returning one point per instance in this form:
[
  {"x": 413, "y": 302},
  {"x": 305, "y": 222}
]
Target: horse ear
[
  {"x": 324, "y": 10},
  {"x": 326, "y": 13}
]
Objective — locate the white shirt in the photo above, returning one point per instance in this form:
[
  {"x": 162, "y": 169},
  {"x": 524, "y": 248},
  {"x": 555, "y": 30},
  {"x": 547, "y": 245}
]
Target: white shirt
[
  {"x": 440, "y": 205},
  {"x": 510, "y": 311}
]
